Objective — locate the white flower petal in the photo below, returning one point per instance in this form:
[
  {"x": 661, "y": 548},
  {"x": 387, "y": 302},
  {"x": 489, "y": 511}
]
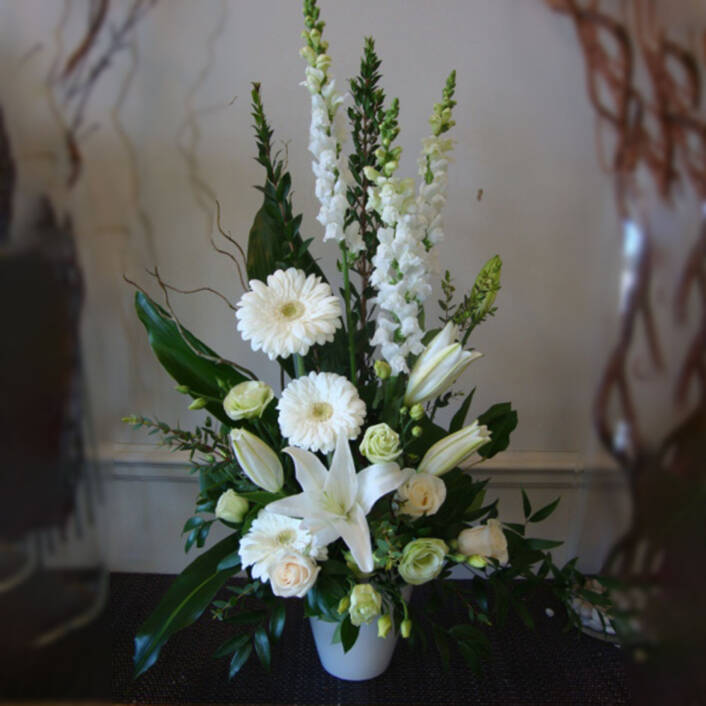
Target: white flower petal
[
  {"x": 356, "y": 535},
  {"x": 341, "y": 484},
  {"x": 378, "y": 480},
  {"x": 310, "y": 472}
]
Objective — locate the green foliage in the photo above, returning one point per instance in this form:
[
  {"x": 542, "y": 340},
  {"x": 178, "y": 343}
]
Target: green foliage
[
  {"x": 501, "y": 420},
  {"x": 183, "y": 603},
  {"x": 477, "y": 306},
  {"x": 189, "y": 361}
]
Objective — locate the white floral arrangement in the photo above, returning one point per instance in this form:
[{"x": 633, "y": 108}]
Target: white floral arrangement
[{"x": 343, "y": 489}]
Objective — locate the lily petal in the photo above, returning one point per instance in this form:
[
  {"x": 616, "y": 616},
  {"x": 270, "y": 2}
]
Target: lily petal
[
  {"x": 299, "y": 505},
  {"x": 378, "y": 480},
  {"x": 311, "y": 474},
  {"x": 322, "y": 530},
  {"x": 356, "y": 534},
  {"x": 342, "y": 484}
]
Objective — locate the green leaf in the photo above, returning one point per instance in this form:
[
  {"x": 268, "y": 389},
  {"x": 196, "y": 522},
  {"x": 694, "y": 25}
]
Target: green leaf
[
  {"x": 262, "y": 647},
  {"x": 543, "y": 543},
  {"x": 460, "y": 417},
  {"x": 277, "y": 620},
  {"x": 240, "y": 657},
  {"x": 544, "y": 512},
  {"x": 501, "y": 420},
  {"x": 232, "y": 644},
  {"x": 526, "y": 504},
  {"x": 180, "y": 361},
  {"x": 349, "y": 633},
  {"x": 187, "y": 598},
  {"x": 249, "y": 617},
  {"x": 442, "y": 645},
  {"x": 470, "y": 656},
  {"x": 231, "y": 561}
]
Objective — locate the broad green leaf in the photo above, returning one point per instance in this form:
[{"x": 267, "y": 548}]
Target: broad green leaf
[
  {"x": 231, "y": 645},
  {"x": 232, "y": 561},
  {"x": 262, "y": 647},
  {"x": 500, "y": 419},
  {"x": 543, "y": 543},
  {"x": 180, "y": 361},
  {"x": 240, "y": 657},
  {"x": 460, "y": 417},
  {"x": 349, "y": 633},
  {"x": 187, "y": 598},
  {"x": 442, "y": 645},
  {"x": 277, "y": 620},
  {"x": 544, "y": 512},
  {"x": 526, "y": 504}
]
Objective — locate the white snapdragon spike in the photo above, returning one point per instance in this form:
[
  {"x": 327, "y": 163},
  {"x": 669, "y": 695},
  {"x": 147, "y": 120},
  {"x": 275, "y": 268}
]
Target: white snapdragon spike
[
  {"x": 431, "y": 199},
  {"x": 438, "y": 367},
  {"x": 453, "y": 449},
  {"x": 334, "y": 503},
  {"x": 326, "y": 137},
  {"x": 401, "y": 272}
]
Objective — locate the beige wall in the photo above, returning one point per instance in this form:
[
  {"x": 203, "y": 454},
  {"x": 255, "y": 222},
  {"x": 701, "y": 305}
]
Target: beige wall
[{"x": 525, "y": 136}]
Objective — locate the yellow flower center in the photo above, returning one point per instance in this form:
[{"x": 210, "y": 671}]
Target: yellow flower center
[
  {"x": 321, "y": 411},
  {"x": 291, "y": 310},
  {"x": 285, "y": 537}
]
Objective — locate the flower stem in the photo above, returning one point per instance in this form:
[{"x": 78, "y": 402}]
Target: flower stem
[
  {"x": 299, "y": 369},
  {"x": 349, "y": 321}
]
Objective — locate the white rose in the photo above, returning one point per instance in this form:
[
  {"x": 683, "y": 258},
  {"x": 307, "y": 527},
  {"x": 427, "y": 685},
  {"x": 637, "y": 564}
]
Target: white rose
[
  {"x": 247, "y": 400},
  {"x": 380, "y": 444},
  {"x": 292, "y": 575},
  {"x": 487, "y": 541},
  {"x": 231, "y": 507},
  {"x": 421, "y": 494}
]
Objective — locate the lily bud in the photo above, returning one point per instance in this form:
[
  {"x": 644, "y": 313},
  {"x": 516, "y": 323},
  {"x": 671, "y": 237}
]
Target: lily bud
[
  {"x": 454, "y": 448},
  {"x": 438, "y": 367},
  {"x": 384, "y": 625},
  {"x": 258, "y": 461},
  {"x": 406, "y": 628},
  {"x": 198, "y": 403}
]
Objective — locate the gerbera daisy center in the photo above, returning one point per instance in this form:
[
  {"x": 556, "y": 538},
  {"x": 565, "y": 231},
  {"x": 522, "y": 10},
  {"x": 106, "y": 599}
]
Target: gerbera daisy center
[
  {"x": 321, "y": 411},
  {"x": 291, "y": 310},
  {"x": 285, "y": 537}
]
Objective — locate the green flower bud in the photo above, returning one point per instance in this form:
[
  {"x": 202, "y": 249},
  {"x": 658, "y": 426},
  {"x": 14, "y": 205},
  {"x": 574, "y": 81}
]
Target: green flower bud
[
  {"x": 406, "y": 628},
  {"x": 416, "y": 411},
  {"x": 366, "y": 603},
  {"x": 417, "y": 431},
  {"x": 198, "y": 403},
  {"x": 184, "y": 389},
  {"x": 422, "y": 560},
  {"x": 390, "y": 167},
  {"x": 458, "y": 558},
  {"x": 384, "y": 625},
  {"x": 380, "y": 444},
  {"x": 382, "y": 369},
  {"x": 476, "y": 561},
  {"x": 247, "y": 400},
  {"x": 403, "y": 411},
  {"x": 231, "y": 507},
  {"x": 343, "y": 605}
]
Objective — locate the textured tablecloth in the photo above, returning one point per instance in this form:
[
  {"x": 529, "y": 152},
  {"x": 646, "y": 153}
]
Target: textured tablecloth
[{"x": 544, "y": 666}]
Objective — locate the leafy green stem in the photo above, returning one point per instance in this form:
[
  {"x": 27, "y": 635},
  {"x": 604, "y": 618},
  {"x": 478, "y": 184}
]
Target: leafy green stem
[{"x": 349, "y": 318}]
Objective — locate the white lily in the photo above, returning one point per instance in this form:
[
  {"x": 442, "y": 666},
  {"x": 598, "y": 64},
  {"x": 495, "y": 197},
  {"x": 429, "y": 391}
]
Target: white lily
[
  {"x": 453, "y": 449},
  {"x": 438, "y": 367},
  {"x": 335, "y": 502}
]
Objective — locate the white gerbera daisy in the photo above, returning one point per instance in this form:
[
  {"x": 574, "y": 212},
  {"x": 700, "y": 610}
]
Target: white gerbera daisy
[
  {"x": 289, "y": 314},
  {"x": 315, "y": 409},
  {"x": 271, "y": 535}
]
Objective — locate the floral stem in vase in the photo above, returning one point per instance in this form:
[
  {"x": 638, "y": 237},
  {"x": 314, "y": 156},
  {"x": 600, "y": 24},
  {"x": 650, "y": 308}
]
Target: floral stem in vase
[{"x": 349, "y": 321}]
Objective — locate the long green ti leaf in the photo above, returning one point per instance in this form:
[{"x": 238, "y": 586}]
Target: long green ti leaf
[
  {"x": 180, "y": 361},
  {"x": 187, "y": 598}
]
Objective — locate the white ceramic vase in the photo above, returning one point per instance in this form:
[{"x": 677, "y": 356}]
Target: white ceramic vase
[{"x": 369, "y": 657}]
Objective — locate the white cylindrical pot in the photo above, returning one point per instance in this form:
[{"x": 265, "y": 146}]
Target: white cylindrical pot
[{"x": 369, "y": 657}]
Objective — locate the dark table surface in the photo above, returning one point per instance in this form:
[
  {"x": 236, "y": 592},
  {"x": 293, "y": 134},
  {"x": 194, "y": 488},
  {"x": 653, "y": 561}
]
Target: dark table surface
[{"x": 544, "y": 666}]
